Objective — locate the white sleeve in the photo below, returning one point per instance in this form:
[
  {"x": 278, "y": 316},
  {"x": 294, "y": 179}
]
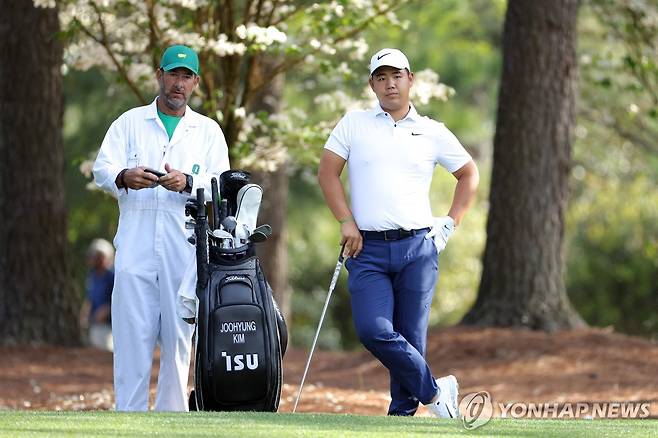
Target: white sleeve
[
  {"x": 216, "y": 161},
  {"x": 451, "y": 154},
  {"x": 112, "y": 157},
  {"x": 339, "y": 140}
]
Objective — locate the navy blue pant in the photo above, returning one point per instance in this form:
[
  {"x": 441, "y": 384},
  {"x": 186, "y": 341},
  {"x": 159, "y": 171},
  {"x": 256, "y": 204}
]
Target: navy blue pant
[{"x": 391, "y": 285}]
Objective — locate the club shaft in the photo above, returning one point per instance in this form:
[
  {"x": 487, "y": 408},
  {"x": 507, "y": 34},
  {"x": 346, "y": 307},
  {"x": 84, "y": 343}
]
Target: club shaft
[{"x": 334, "y": 279}]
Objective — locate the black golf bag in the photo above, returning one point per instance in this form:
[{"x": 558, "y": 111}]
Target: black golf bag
[{"x": 241, "y": 336}]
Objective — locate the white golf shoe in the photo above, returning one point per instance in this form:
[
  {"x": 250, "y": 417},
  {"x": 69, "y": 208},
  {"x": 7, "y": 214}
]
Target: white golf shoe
[{"x": 446, "y": 406}]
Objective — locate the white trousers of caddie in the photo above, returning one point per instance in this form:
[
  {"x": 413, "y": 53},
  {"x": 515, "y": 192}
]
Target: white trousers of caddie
[{"x": 149, "y": 266}]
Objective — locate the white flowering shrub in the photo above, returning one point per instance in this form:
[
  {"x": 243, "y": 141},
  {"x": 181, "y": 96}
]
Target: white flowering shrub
[{"x": 127, "y": 37}]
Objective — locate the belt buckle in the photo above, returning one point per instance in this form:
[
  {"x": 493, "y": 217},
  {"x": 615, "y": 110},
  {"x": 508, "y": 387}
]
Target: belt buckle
[{"x": 386, "y": 235}]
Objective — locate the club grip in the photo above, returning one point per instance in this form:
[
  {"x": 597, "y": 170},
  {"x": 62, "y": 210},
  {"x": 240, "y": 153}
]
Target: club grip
[
  {"x": 200, "y": 204},
  {"x": 214, "y": 189},
  {"x": 201, "y": 224},
  {"x": 342, "y": 250},
  {"x": 223, "y": 211}
]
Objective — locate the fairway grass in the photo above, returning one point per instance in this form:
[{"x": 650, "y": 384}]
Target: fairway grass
[{"x": 250, "y": 424}]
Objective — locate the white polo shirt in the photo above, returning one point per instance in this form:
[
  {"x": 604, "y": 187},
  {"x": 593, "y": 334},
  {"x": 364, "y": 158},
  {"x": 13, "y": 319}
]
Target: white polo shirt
[{"x": 390, "y": 165}]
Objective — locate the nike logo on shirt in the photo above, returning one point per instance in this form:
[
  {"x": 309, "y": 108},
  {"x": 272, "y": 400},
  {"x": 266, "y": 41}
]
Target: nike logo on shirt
[{"x": 381, "y": 56}]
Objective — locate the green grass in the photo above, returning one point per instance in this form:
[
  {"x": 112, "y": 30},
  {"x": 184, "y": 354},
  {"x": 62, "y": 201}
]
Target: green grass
[{"x": 104, "y": 424}]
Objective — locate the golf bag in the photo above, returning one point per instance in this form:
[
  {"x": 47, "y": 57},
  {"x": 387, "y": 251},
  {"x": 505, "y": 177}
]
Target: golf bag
[{"x": 241, "y": 336}]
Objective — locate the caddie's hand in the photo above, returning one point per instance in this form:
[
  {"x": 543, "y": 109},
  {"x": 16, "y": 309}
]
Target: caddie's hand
[
  {"x": 351, "y": 237},
  {"x": 174, "y": 180},
  {"x": 137, "y": 179},
  {"x": 441, "y": 231}
]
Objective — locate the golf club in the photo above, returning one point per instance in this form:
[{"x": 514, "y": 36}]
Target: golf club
[
  {"x": 332, "y": 285},
  {"x": 229, "y": 224},
  {"x": 241, "y": 234},
  {"x": 223, "y": 211},
  {"x": 224, "y": 238},
  {"x": 261, "y": 233},
  {"x": 265, "y": 229}
]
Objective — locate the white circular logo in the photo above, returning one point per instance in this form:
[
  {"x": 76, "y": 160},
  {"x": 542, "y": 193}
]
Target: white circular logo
[{"x": 476, "y": 409}]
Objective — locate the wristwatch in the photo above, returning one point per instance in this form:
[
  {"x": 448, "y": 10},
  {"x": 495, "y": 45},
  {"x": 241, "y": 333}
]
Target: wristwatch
[{"x": 189, "y": 181}]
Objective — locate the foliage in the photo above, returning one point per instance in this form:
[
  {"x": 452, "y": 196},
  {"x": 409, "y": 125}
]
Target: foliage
[
  {"x": 613, "y": 255},
  {"x": 624, "y": 67},
  {"x": 92, "y": 102},
  {"x": 243, "y": 46},
  {"x": 611, "y": 232}
]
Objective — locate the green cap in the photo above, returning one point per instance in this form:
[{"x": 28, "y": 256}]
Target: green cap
[{"x": 180, "y": 56}]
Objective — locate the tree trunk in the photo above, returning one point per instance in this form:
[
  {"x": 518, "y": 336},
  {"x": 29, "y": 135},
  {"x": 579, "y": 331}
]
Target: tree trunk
[
  {"x": 37, "y": 301},
  {"x": 273, "y": 253},
  {"x": 522, "y": 280}
]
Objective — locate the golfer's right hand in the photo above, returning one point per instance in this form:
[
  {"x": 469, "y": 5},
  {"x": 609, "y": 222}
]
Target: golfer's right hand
[
  {"x": 136, "y": 178},
  {"x": 351, "y": 237}
]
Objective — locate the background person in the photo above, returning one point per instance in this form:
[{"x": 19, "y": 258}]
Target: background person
[
  {"x": 96, "y": 308},
  {"x": 390, "y": 233},
  {"x": 151, "y": 240}
]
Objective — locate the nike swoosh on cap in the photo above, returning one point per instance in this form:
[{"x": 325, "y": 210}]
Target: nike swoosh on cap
[
  {"x": 381, "y": 56},
  {"x": 416, "y": 133}
]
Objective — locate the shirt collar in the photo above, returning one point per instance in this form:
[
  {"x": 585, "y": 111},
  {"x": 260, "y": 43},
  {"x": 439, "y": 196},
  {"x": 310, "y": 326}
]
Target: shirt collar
[
  {"x": 190, "y": 117},
  {"x": 411, "y": 115}
]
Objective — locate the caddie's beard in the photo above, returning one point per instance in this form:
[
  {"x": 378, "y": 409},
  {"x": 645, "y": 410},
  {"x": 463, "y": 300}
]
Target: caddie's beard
[{"x": 173, "y": 102}]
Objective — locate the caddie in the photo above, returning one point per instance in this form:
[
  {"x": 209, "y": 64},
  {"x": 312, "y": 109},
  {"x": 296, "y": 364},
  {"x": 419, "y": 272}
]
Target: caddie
[{"x": 152, "y": 158}]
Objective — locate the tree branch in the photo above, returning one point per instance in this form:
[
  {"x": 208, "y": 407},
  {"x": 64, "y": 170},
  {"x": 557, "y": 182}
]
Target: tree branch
[
  {"x": 247, "y": 8},
  {"x": 154, "y": 33},
  {"x": 290, "y": 63},
  {"x": 617, "y": 127},
  {"x": 290, "y": 14},
  {"x": 104, "y": 42}
]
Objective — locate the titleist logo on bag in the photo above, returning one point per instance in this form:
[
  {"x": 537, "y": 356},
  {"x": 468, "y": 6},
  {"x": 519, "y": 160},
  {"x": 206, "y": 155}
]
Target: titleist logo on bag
[{"x": 238, "y": 326}]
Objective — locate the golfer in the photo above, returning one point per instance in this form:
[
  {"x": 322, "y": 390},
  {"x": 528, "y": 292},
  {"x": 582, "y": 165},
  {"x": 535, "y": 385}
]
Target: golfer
[
  {"x": 169, "y": 138},
  {"x": 389, "y": 231}
]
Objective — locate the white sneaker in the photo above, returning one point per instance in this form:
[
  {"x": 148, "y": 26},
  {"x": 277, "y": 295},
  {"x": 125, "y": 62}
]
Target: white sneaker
[{"x": 446, "y": 406}]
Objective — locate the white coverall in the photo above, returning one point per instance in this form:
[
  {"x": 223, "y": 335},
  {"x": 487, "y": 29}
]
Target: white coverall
[{"x": 152, "y": 250}]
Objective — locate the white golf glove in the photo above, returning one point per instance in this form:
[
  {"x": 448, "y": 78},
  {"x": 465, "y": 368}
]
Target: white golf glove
[{"x": 443, "y": 227}]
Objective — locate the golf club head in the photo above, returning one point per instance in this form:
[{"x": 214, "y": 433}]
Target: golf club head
[
  {"x": 258, "y": 236},
  {"x": 241, "y": 234},
  {"x": 264, "y": 229},
  {"x": 191, "y": 207},
  {"x": 221, "y": 234},
  {"x": 230, "y": 182},
  {"x": 229, "y": 223}
]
